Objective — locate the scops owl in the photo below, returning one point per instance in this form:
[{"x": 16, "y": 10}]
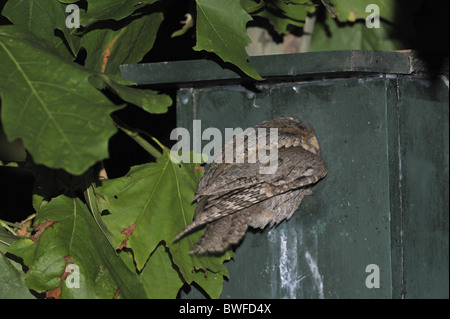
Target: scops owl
[{"x": 233, "y": 196}]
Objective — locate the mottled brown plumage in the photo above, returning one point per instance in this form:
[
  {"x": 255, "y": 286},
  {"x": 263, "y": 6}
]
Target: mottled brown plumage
[{"x": 232, "y": 196}]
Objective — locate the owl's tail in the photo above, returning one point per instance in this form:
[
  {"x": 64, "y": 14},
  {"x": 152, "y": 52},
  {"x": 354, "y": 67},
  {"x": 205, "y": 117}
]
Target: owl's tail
[{"x": 204, "y": 214}]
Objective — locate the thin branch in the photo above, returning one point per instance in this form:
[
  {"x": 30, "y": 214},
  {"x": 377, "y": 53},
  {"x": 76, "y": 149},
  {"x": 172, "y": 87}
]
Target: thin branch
[{"x": 141, "y": 141}]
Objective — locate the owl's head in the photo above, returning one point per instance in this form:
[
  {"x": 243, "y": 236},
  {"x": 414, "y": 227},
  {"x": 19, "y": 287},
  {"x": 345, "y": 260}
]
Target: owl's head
[{"x": 295, "y": 128}]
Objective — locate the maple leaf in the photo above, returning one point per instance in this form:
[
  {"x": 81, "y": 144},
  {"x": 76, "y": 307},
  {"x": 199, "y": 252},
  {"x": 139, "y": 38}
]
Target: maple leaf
[
  {"x": 66, "y": 233},
  {"x": 155, "y": 199},
  {"x": 127, "y": 232}
]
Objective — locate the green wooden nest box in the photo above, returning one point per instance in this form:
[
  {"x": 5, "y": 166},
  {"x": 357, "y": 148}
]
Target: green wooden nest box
[{"x": 377, "y": 225}]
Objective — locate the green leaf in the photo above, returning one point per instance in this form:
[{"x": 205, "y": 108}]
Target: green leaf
[
  {"x": 107, "y": 49},
  {"x": 251, "y": 6},
  {"x": 159, "y": 277},
  {"x": 221, "y": 28},
  {"x": 49, "y": 103},
  {"x": 41, "y": 18},
  {"x": 11, "y": 281},
  {"x": 90, "y": 198},
  {"x": 281, "y": 14},
  {"x": 111, "y": 9},
  {"x": 151, "y": 101},
  {"x": 71, "y": 236},
  {"x": 352, "y": 36},
  {"x": 211, "y": 282},
  {"x": 150, "y": 205},
  {"x": 6, "y": 239},
  {"x": 351, "y": 10}
]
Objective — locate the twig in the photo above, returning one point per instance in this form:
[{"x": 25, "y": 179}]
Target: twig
[
  {"x": 141, "y": 141},
  {"x": 6, "y": 225}
]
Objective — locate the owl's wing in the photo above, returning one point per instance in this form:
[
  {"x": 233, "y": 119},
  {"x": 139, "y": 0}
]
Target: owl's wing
[
  {"x": 235, "y": 188},
  {"x": 297, "y": 168},
  {"x": 210, "y": 209},
  {"x": 223, "y": 177},
  {"x": 295, "y": 164}
]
